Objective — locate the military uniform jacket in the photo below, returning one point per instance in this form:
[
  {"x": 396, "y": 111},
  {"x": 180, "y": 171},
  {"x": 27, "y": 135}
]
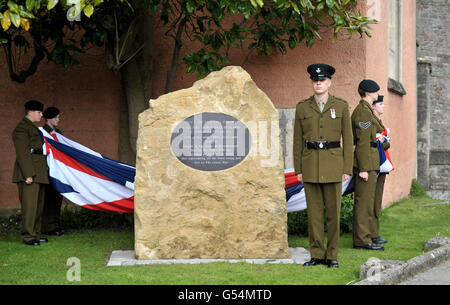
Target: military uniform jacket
[
  {"x": 365, "y": 127},
  {"x": 25, "y": 137},
  {"x": 327, "y": 165}
]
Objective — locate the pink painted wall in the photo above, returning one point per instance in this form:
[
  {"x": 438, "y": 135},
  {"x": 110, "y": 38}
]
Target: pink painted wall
[{"x": 400, "y": 111}]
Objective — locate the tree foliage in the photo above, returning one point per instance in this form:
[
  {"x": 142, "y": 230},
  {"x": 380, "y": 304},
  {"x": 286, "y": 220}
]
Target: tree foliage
[
  {"x": 20, "y": 12},
  {"x": 44, "y": 28},
  {"x": 59, "y": 30},
  {"x": 266, "y": 27}
]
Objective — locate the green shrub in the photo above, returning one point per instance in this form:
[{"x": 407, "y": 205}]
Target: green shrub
[
  {"x": 11, "y": 224},
  {"x": 76, "y": 218},
  {"x": 417, "y": 190},
  {"x": 347, "y": 214},
  {"x": 83, "y": 218},
  {"x": 298, "y": 221}
]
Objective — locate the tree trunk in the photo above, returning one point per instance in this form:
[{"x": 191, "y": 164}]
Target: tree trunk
[
  {"x": 175, "y": 56},
  {"x": 136, "y": 92}
]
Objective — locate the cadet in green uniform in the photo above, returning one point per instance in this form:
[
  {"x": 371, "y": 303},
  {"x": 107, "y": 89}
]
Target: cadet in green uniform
[
  {"x": 322, "y": 162},
  {"x": 30, "y": 172},
  {"x": 51, "y": 218},
  {"x": 378, "y": 110},
  {"x": 366, "y": 165}
]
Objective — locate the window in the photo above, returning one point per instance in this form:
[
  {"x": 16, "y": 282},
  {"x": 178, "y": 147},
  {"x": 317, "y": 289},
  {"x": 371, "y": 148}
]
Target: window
[{"x": 395, "y": 47}]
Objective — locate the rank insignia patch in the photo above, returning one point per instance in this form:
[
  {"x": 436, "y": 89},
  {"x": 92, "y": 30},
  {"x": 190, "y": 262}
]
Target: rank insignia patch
[{"x": 365, "y": 125}]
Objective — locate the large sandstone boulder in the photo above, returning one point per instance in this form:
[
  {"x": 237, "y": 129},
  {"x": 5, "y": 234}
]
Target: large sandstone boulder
[{"x": 188, "y": 208}]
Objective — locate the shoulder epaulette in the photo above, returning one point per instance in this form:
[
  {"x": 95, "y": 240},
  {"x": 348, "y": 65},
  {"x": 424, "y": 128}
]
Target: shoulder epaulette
[{"x": 338, "y": 99}]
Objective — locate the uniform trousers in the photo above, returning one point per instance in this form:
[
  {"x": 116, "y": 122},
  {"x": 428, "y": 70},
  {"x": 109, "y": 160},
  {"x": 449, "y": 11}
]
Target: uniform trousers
[
  {"x": 321, "y": 196},
  {"x": 31, "y": 197},
  {"x": 51, "y": 217},
  {"x": 364, "y": 209},
  {"x": 375, "y": 225}
]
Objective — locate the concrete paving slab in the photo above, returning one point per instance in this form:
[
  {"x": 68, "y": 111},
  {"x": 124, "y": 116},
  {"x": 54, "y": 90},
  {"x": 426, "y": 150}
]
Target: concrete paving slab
[
  {"x": 438, "y": 275},
  {"x": 127, "y": 258},
  {"x": 412, "y": 267}
]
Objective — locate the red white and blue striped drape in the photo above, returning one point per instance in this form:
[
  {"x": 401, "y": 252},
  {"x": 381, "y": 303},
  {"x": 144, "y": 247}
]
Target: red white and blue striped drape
[{"x": 93, "y": 181}]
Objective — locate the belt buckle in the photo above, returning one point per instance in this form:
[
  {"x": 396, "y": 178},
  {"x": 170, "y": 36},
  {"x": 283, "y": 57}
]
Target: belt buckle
[{"x": 321, "y": 145}]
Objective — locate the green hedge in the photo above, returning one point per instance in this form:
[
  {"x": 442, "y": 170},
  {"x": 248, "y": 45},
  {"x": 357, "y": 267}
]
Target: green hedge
[
  {"x": 298, "y": 221},
  {"x": 12, "y": 223},
  {"x": 82, "y": 218},
  {"x": 76, "y": 218}
]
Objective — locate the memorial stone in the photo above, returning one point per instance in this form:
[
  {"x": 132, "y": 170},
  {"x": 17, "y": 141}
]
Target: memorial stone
[{"x": 209, "y": 173}]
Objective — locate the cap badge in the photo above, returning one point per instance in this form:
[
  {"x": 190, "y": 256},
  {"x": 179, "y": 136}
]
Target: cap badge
[{"x": 318, "y": 70}]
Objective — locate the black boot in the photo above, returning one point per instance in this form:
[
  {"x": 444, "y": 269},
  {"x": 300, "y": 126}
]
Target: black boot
[{"x": 314, "y": 262}]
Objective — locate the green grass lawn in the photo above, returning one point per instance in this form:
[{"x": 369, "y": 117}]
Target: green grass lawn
[{"x": 407, "y": 225}]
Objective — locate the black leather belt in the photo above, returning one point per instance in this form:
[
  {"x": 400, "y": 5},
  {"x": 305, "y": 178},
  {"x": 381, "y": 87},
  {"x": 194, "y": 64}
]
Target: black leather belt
[
  {"x": 36, "y": 151},
  {"x": 322, "y": 145}
]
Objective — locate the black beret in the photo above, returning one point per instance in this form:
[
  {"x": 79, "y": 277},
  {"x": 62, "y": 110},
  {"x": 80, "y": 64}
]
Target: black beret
[
  {"x": 379, "y": 100},
  {"x": 321, "y": 71},
  {"x": 34, "y": 105},
  {"x": 368, "y": 85},
  {"x": 51, "y": 112}
]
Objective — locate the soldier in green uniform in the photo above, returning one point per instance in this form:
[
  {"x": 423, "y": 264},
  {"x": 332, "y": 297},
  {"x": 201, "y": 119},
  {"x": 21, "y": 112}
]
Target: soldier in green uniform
[
  {"x": 322, "y": 161},
  {"x": 30, "y": 172},
  {"x": 51, "y": 218},
  {"x": 378, "y": 110},
  {"x": 366, "y": 165}
]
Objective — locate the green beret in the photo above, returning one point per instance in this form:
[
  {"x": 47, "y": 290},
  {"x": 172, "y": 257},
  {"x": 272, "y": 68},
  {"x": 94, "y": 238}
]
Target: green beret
[
  {"x": 379, "y": 100},
  {"x": 51, "y": 112},
  {"x": 34, "y": 105},
  {"x": 368, "y": 85}
]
